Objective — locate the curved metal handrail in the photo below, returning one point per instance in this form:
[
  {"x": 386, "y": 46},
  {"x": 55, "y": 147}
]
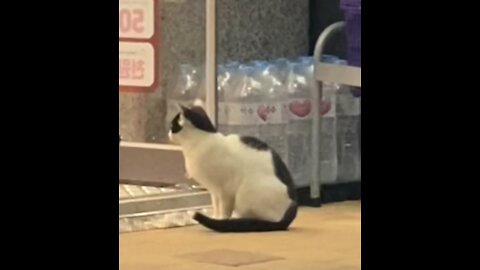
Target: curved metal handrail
[{"x": 315, "y": 181}]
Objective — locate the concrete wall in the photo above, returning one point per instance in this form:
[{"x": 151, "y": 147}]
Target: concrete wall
[{"x": 322, "y": 14}]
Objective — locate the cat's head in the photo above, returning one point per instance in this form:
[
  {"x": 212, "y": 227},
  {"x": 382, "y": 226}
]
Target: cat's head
[{"x": 188, "y": 121}]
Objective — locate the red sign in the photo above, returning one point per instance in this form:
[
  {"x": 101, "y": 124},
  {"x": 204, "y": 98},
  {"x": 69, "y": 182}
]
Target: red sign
[{"x": 138, "y": 45}]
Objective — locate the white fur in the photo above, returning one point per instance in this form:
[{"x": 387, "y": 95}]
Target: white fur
[{"x": 239, "y": 178}]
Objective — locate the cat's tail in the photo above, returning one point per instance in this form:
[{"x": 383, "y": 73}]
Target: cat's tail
[{"x": 247, "y": 224}]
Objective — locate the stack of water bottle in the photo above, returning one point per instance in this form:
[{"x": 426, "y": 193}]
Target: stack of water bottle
[{"x": 272, "y": 101}]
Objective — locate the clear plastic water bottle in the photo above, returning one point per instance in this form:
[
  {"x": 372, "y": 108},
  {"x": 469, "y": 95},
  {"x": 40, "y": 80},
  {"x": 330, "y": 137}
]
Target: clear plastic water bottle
[
  {"x": 272, "y": 111},
  {"x": 299, "y": 84},
  {"x": 283, "y": 66},
  {"x": 328, "y": 148},
  {"x": 348, "y": 134},
  {"x": 185, "y": 90},
  {"x": 240, "y": 102},
  {"x": 227, "y": 79}
]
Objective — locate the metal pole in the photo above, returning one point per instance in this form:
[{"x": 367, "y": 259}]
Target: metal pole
[
  {"x": 315, "y": 184},
  {"x": 211, "y": 61}
]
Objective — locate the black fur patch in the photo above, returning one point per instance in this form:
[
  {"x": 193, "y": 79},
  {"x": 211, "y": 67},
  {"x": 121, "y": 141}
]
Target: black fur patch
[
  {"x": 282, "y": 173},
  {"x": 254, "y": 143},
  {"x": 199, "y": 118},
  {"x": 281, "y": 170},
  {"x": 175, "y": 126}
]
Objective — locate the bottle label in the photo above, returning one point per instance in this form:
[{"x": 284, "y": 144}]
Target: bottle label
[
  {"x": 239, "y": 114},
  {"x": 272, "y": 113},
  {"x": 300, "y": 109},
  {"x": 328, "y": 106},
  {"x": 233, "y": 113}
]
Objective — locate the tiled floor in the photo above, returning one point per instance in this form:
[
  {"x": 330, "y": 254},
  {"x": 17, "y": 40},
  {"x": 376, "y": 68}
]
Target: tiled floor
[{"x": 326, "y": 238}]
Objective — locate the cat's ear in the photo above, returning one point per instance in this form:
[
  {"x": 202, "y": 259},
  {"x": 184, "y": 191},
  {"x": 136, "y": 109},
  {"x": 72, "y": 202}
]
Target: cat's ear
[{"x": 181, "y": 108}]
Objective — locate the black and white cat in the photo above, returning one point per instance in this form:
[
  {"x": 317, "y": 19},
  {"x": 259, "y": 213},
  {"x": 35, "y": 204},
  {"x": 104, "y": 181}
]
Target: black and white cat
[{"x": 250, "y": 186}]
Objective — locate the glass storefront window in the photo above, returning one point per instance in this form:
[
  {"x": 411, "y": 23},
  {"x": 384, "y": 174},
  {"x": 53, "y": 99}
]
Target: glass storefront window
[{"x": 249, "y": 63}]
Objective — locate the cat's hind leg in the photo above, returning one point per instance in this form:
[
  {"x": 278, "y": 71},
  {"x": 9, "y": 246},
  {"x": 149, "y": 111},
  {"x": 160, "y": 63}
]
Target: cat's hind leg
[
  {"x": 263, "y": 201},
  {"x": 227, "y": 204},
  {"x": 215, "y": 205}
]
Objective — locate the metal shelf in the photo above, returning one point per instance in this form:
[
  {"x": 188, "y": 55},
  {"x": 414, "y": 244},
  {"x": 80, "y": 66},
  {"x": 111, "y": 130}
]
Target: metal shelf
[
  {"x": 163, "y": 202},
  {"x": 149, "y": 207},
  {"x": 341, "y": 74},
  {"x": 346, "y": 75}
]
